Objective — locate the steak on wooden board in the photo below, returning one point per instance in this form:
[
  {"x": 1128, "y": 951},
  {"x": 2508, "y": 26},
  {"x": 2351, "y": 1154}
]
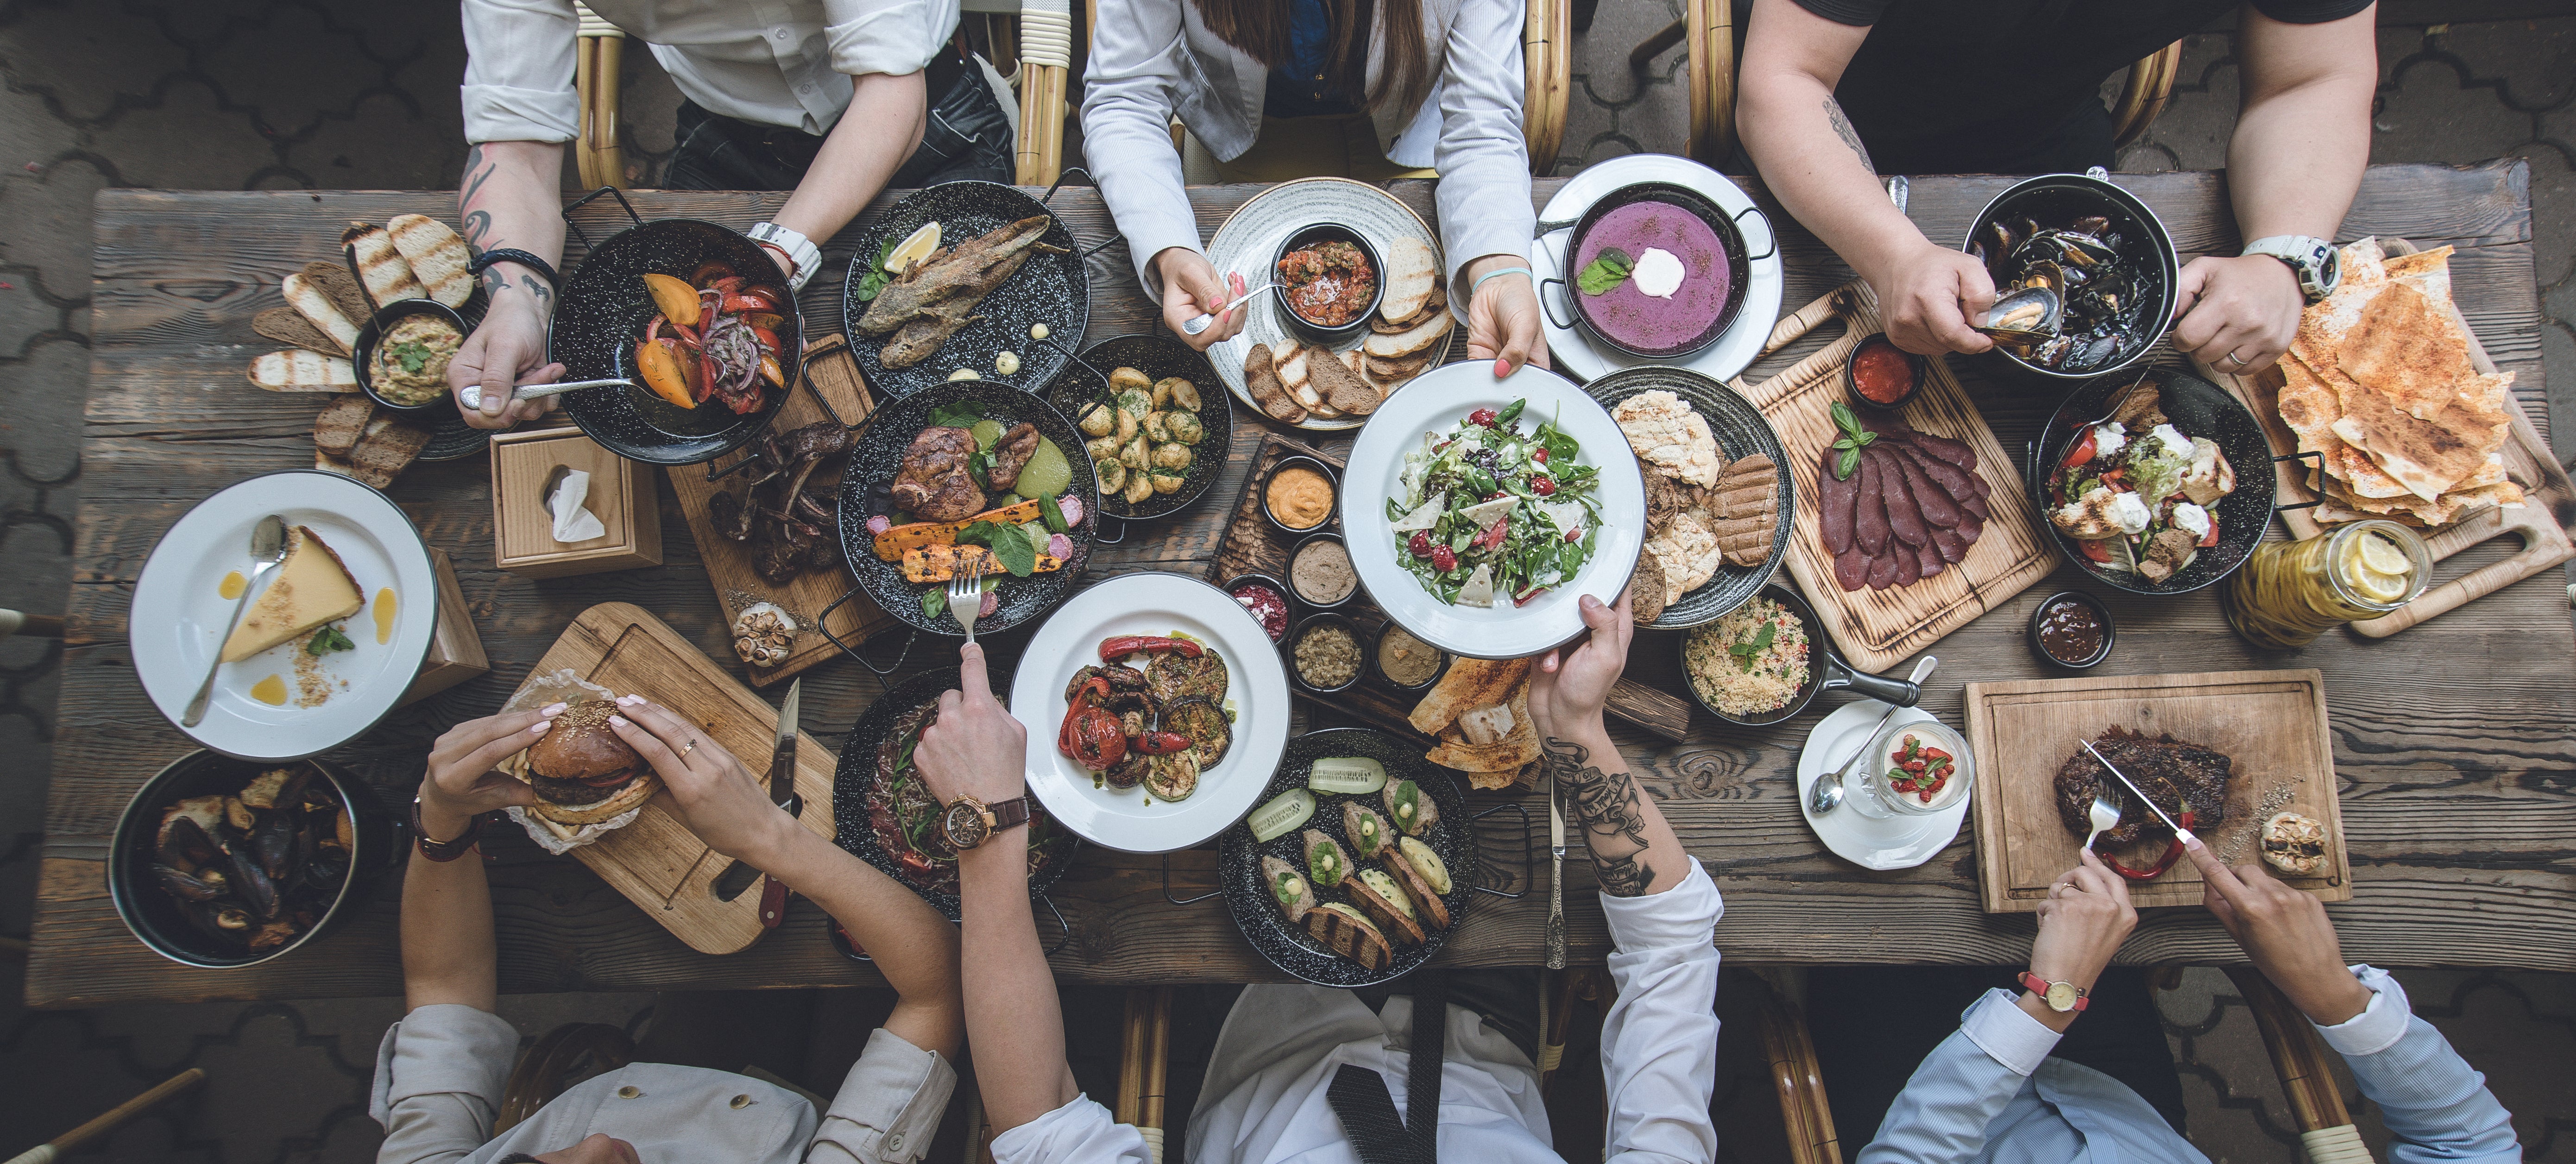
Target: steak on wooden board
[{"x": 2172, "y": 771}]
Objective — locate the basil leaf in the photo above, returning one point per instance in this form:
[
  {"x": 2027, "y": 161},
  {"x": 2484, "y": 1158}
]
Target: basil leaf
[
  {"x": 934, "y": 603},
  {"x": 876, "y": 278},
  {"x": 1510, "y": 413},
  {"x": 962, "y": 414},
  {"x": 1606, "y": 270},
  {"x": 1009, "y": 545},
  {"x": 1851, "y": 461},
  {"x": 1845, "y": 419},
  {"x": 1845, "y": 443}
]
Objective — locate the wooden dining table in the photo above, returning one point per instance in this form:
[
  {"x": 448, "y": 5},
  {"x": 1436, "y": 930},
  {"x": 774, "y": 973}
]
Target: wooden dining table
[{"x": 2453, "y": 749}]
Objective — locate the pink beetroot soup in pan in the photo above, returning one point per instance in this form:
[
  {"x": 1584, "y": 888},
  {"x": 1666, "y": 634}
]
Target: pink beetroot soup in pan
[{"x": 1627, "y": 314}]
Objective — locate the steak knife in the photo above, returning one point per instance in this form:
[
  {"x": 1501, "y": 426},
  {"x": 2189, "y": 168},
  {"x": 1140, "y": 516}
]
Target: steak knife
[
  {"x": 2180, "y": 833},
  {"x": 782, "y": 791},
  {"x": 1555, "y": 878}
]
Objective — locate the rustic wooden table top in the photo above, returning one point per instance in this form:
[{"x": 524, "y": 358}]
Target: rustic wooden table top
[{"x": 2451, "y": 739}]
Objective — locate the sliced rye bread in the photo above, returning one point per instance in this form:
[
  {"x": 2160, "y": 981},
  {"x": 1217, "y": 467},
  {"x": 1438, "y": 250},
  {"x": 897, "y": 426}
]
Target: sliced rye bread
[
  {"x": 341, "y": 288},
  {"x": 307, "y": 297},
  {"x": 1350, "y": 936},
  {"x": 286, "y": 325},
  {"x": 1261, "y": 381},
  {"x": 1340, "y": 383},
  {"x": 340, "y": 424},
  {"x": 388, "y": 448}
]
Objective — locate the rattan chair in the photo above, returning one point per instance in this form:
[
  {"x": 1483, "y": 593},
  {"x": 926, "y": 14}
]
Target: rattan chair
[{"x": 1709, "y": 28}]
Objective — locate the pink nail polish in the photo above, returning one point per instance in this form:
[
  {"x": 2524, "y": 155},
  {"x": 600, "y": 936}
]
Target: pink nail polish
[
  {"x": 553, "y": 709},
  {"x": 619, "y": 721},
  {"x": 540, "y": 727}
]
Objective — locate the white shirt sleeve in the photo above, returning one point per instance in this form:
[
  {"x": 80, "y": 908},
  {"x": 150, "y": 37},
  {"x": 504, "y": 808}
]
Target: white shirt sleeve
[
  {"x": 439, "y": 1077},
  {"x": 518, "y": 71},
  {"x": 1659, "y": 1041},
  {"x": 888, "y": 1107},
  {"x": 2003, "y": 1030},
  {"x": 887, "y": 36},
  {"x": 1080, "y": 1132},
  {"x": 1484, "y": 190},
  {"x": 1130, "y": 90}
]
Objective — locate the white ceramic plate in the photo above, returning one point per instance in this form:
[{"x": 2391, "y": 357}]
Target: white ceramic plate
[
  {"x": 1256, "y": 687},
  {"x": 1733, "y": 352},
  {"x": 177, "y": 624},
  {"x": 1249, "y": 239},
  {"x": 1901, "y": 842},
  {"x": 1438, "y": 400}
]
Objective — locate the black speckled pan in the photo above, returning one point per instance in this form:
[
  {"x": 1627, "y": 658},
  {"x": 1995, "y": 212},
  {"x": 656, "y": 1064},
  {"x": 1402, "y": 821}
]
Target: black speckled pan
[
  {"x": 871, "y": 473},
  {"x": 1740, "y": 429},
  {"x": 2198, "y": 409},
  {"x": 1050, "y": 289},
  {"x": 857, "y": 774},
  {"x": 603, "y": 310},
  {"x": 1158, "y": 356},
  {"x": 1289, "y": 947}
]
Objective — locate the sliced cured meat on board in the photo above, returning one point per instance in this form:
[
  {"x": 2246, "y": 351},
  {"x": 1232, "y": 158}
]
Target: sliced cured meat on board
[
  {"x": 1904, "y": 518},
  {"x": 1937, "y": 506},
  {"x": 1837, "y": 505},
  {"x": 1869, "y": 525},
  {"x": 1851, "y": 567},
  {"x": 1930, "y": 558}
]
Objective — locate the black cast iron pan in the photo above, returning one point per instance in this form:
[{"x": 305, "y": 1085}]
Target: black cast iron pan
[
  {"x": 1051, "y": 290},
  {"x": 1158, "y": 355},
  {"x": 1826, "y": 670},
  {"x": 2198, "y": 409}
]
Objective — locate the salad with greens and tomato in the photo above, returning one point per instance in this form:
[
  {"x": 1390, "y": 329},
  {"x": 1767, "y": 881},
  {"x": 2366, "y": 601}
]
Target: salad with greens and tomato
[{"x": 1487, "y": 513}]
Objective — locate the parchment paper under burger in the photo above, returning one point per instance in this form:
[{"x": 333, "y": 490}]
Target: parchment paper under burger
[{"x": 561, "y": 686}]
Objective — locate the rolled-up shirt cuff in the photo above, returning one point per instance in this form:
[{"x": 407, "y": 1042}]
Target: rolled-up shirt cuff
[
  {"x": 2006, "y": 1033},
  {"x": 895, "y": 42},
  {"x": 443, "y": 1048},
  {"x": 888, "y": 1107},
  {"x": 1682, "y": 916},
  {"x": 502, "y": 113},
  {"x": 2379, "y": 1025},
  {"x": 1080, "y": 1132}
]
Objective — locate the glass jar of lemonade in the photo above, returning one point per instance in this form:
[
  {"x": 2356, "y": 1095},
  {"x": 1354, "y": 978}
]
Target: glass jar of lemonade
[{"x": 2288, "y": 593}]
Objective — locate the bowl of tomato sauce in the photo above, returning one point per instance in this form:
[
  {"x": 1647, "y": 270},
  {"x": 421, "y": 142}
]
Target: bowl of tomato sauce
[
  {"x": 1881, "y": 375},
  {"x": 1330, "y": 281}
]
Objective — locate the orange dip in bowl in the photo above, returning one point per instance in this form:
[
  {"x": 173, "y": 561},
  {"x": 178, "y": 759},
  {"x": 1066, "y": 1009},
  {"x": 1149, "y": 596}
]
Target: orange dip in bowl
[{"x": 1299, "y": 497}]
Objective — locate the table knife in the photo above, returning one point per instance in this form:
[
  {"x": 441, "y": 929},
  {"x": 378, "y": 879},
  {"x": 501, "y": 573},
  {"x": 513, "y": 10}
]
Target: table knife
[
  {"x": 2180, "y": 833},
  {"x": 782, "y": 790},
  {"x": 1555, "y": 878}
]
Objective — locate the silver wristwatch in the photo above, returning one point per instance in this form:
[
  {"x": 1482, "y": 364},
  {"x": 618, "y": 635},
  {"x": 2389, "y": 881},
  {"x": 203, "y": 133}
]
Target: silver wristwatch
[
  {"x": 2319, "y": 268},
  {"x": 800, "y": 251}
]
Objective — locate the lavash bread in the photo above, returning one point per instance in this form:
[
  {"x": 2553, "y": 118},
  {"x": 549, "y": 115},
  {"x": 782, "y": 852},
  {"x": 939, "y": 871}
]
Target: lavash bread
[{"x": 437, "y": 257}]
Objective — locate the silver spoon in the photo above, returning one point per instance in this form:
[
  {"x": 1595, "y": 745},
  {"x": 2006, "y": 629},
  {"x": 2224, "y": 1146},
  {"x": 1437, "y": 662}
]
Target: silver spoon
[
  {"x": 1826, "y": 794},
  {"x": 1199, "y": 323},
  {"x": 472, "y": 396},
  {"x": 267, "y": 543}
]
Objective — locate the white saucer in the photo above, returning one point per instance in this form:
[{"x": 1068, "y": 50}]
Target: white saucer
[
  {"x": 1897, "y": 843},
  {"x": 1733, "y": 352}
]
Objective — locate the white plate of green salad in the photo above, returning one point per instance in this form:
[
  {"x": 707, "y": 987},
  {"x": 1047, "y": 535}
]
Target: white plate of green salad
[{"x": 1478, "y": 511}]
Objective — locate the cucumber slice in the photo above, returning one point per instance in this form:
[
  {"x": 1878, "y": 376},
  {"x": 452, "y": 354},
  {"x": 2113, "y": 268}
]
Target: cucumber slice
[
  {"x": 986, "y": 431},
  {"x": 1285, "y": 814},
  {"x": 1347, "y": 775},
  {"x": 1046, "y": 472}
]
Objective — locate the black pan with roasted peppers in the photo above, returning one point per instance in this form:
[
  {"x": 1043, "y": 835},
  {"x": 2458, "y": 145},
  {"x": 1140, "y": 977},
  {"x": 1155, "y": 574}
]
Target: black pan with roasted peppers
[{"x": 713, "y": 336}]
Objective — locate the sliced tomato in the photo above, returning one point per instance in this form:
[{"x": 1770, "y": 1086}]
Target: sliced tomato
[
  {"x": 756, "y": 299},
  {"x": 708, "y": 272},
  {"x": 2083, "y": 451},
  {"x": 660, "y": 364},
  {"x": 768, "y": 339},
  {"x": 770, "y": 371},
  {"x": 2096, "y": 551},
  {"x": 702, "y": 376},
  {"x": 728, "y": 283},
  {"x": 2210, "y": 538},
  {"x": 768, "y": 319}
]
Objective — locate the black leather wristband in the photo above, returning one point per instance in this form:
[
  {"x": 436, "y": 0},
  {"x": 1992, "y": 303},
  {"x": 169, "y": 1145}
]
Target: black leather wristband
[
  {"x": 447, "y": 850},
  {"x": 484, "y": 261}
]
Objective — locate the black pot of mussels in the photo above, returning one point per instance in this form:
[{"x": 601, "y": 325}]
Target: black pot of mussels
[{"x": 2105, "y": 254}]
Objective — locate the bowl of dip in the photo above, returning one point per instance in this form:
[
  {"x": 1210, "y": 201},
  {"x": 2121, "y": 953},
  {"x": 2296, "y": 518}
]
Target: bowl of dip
[
  {"x": 1325, "y": 653},
  {"x": 1320, "y": 573},
  {"x": 402, "y": 354},
  {"x": 2071, "y": 629},
  {"x": 1881, "y": 375},
  {"x": 1656, "y": 270},
  {"x": 1330, "y": 282},
  {"x": 1405, "y": 662},
  {"x": 1266, "y": 597},
  {"x": 1299, "y": 495}
]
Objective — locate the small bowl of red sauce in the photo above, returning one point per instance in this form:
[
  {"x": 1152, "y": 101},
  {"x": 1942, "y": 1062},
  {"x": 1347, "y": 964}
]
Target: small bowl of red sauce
[
  {"x": 2072, "y": 629},
  {"x": 1265, "y": 599},
  {"x": 1882, "y": 375},
  {"x": 1330, "y": 281}
]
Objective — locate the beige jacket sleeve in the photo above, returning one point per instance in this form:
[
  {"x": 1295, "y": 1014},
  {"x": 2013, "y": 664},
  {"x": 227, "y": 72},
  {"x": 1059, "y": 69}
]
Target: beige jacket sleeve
[{"x": 439, "y": 1076}]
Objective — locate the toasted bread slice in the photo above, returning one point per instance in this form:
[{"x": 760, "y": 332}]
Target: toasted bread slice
[
  {"x": 1412, "y": 270},
  {"x": 438, "y": 258},
  {"x": 310, "y": 301},
  {"x": 1420, "y": 338},
  {"x": 1398, "y": 369},
  {"x": 298, "y": 370},
  {"x": 1345, "y": 932},
  {"x": 387, "y": 273},
  {"x": 1339, "y": 382},
  {"x": 337, "y": 429},
  {"x": 1261, "y": 380},
  {"x": 1379, "y": 903},
  {"x": 335, "y": 283},
  {"x": 388, "y": 448},
  {"x": 1427, "y": 905},
  {"x": 288, "y": 326}
]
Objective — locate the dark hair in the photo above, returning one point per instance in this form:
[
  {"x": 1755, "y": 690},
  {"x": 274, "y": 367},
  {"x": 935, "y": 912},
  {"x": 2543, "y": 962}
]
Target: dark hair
[{"x": 1260, "y": 29}]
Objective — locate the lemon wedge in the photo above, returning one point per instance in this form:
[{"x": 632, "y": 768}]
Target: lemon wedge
[{"x": 916, "y": 247}]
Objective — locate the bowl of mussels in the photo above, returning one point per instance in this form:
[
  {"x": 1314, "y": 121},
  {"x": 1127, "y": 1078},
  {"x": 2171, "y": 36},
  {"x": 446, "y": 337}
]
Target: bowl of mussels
[
  {"x": 2084, "y": 275},
  {"x": 222, "y": 863}
]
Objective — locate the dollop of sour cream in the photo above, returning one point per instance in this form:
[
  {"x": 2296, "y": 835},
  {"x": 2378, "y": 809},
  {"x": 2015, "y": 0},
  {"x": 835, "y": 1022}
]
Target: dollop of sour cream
[
  {"x": 2110, "y": 438},
  {"x": 2129, "y": 513},
  {"x": 2191, "y": 519},
  {"x": 1658, "y": 273}
]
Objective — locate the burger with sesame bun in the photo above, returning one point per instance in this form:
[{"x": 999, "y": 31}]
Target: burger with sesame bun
[{"x": 582, "y": 772}]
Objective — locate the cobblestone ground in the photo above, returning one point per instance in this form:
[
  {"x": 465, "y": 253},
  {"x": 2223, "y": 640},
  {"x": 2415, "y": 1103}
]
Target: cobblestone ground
[{"x": 233, "y": 94}]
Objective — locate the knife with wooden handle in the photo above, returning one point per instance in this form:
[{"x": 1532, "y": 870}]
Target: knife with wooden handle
[{"x": 1555, "y": 878}]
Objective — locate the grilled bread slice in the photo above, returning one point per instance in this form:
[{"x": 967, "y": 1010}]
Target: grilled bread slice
[
  {"x": 341, "y": 423},
  {"x": 1406, "y": 343},
  {"x": 306, "y": 296},
  {"x": 302, "y": 371},
  {"x": 1412, "y": 270},
  {"x": 1261, "y": 380},
  {"x": 387, "y": 273},
  {"x": 1345, "y": 932},
  {"x": 438, "y": 258},
  {"x": 1427, "y": 905},
  {"x": 1384, "y": 902}
]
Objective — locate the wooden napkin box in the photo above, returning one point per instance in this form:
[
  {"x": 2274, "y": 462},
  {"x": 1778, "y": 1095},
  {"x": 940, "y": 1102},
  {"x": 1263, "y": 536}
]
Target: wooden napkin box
[
  {"x": 621, "y": 496},
  {"x": 456, "y": 648}
]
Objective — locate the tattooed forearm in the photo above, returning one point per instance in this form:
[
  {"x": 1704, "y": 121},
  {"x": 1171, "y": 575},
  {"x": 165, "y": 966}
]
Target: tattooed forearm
[
  {"x": 1612, "y": 813},
  {"x": 1843, "y": 126}
]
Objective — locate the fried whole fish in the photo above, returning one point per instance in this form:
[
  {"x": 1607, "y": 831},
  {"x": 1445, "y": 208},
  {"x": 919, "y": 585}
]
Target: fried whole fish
[{"x": 934, "y": 297}]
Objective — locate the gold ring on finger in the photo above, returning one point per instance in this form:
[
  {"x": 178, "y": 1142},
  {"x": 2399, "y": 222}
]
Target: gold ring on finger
[{"x": 684, "y": 752}]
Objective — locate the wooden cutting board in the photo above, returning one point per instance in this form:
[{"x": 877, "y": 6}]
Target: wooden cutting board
[
  {"x": 830, "y": 370},
  {"x": 2271, "y": 723},
  {"x": 1878, "y": 629},
  {"x": 1250, "y": 546},
  {"x": 657, "y": 862},
  {"x": 2527, "y": 461}
]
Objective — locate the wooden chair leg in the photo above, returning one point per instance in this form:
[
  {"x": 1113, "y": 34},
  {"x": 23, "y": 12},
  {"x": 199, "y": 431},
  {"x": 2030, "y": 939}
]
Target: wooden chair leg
[
  {"x": 2144, "y": 94},
  {"x": 2326, "y": 1130},
  {"x": 1046, "y": 57},
  {"x": 1653, "y": 46},
  {"x": 1547, "y": 58},
  {"x": 1144, "y": 1064},
  {"x": 1712, "y": 80},
  {"x": 110, "y": 1120},
  {"x": 1804, "y": 1113},
  {"x": 602, "y": 52}
]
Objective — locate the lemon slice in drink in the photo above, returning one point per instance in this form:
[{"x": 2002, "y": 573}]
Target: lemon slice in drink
[
  {"x": 2378, "y": 570},
  {"x": 917, "y": 246}
]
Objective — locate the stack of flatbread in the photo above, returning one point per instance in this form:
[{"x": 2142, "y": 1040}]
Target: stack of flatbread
[
  {"x": 1480, "y": 713},
  {"x": 1411, "y": 328},
  {"x": 412, "y": 256},
  {"x": 1702, "y": 510},
  {"x": 2379, "y": 385}
]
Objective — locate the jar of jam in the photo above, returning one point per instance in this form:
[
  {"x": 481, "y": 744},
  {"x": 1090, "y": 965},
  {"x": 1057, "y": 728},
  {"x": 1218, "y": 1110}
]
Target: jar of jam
[{"x": 2288, "y": 593}]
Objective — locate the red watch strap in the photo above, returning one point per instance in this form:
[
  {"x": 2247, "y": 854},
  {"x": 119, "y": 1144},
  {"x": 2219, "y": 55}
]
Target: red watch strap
[{"x": 2039, "y": 986}]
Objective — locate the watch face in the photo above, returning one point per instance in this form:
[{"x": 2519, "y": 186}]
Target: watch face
[
  {"x": 965, "y": 826},
  {"x": 2061, "y": 996},
  {"x": 2329, "y": 269}
]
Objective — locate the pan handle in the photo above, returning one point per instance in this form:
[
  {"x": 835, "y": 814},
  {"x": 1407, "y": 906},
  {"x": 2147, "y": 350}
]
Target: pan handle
[
  {"x": 1167, "y": 887},
  {"x": 1064, "y": 929},
  {"x": 586, "y": 200},
  {"x": 823, "y": 623},
  {"x": 1563, "y": 325},
  {"x": 1526, "y": 857},
  {"x": 1114, "y": 236},
  {"x": 1839, "y": 674},
  {"x": 1767, "y": 228}
]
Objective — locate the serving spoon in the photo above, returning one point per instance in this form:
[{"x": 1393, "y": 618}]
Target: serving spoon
[
  {"x": 1826, "y": 794},
  {"x": 472, "y": 395},
  {"x": 1199, "y": 323},
  {"x": 267, "y": 543}
]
